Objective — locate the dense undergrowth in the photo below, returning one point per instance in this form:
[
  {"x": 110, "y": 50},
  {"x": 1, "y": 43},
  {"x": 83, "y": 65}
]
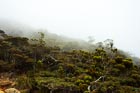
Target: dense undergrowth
[{"x": 41, "y": 68}]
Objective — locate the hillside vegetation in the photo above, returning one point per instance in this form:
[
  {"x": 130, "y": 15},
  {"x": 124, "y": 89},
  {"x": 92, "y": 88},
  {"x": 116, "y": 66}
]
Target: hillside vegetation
[{"x": 37, "y": 67}]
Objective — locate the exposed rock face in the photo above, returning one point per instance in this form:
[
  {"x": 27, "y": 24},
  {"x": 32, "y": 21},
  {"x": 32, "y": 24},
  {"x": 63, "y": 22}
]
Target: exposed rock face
[{"x": 12, "y": 90}]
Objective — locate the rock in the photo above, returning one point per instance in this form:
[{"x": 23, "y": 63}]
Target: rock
[
  {"x": 5, "y": 83},
  {"x": 1, "y": 91},
  {"x": 12, "y": 90}
]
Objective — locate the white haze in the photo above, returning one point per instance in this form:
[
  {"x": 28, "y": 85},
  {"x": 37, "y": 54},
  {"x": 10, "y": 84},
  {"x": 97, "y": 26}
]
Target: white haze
[{"x": 115, "y": 19}]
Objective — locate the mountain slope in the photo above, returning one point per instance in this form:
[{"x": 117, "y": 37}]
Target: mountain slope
[{"x": 40, "y": 68}]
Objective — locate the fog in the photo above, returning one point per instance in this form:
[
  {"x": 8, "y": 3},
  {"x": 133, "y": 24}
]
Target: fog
[{"x": 115, "y": 19}]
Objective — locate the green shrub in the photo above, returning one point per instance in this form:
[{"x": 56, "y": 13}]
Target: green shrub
[
  {"x": 128, "y": 82},
  {"x": 118, "y": 59},
  {"x": 79, "y": 81},
  {"x": 47, "y": 74},
  {"x": 24, "y": 82},
  {"x": 115, "y": 71},
  {"x": 120, "y": 67},
  {"x": 97, "y": 58},
  {"x": 128, "y": 63},
  {"x": 103, "y": 89},
  {"x": 83, "y": 87},
  {"x": 136, "y": 76},
  {"x": 109, "y": 87},
  {"x": 87, "y": 77}
]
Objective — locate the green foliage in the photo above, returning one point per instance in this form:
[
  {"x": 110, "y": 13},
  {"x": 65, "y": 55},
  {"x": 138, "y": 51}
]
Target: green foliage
[
  {"x": 41, "y": 39},
  {"x": 120, "y": 66},
  {"x": 128, "y": 89},
  {"x": 128, "y": 81},
  {"x": 115, "y": 71},
  {"x": 24, "y": 82},
  {"x": 103, "y": 90},
  {"x": 136, "y": 76},
  {"x": 69, "y": 68},
  {"x": 97, "y": 58},
  {"x": 128, "y": 63},
  {"x": 83, "y": 87},
  {"x": 112, "y": 62},
  {"x": 108, "y": 87},
  {"x": 30, "y": 60},
  {"x": 18, "y": 41},
  {"x": 39, "y": 64},
  {"x": 86, "y": 91},
  {"x": 79, "y": 81},
  {"x": 61, "y": 71},
  {"x": 53, "y": 83},
  {"x": 6, "y": 66},
  {"x": 47, "y": 74},
  {"x": 119, "y": 59},
  {"x": 79, "y": 71},
  {"x": 45, "y": 67}
]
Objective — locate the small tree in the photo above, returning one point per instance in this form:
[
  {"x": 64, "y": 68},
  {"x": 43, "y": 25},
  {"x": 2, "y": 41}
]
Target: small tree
[{"x": 109, "y": 43}]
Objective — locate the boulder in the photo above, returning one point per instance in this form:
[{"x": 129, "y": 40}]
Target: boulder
[
  {"x": 1, "y": 91},
  {"x": 5, "y": 83},
  {"x": 12, "y": 90}
]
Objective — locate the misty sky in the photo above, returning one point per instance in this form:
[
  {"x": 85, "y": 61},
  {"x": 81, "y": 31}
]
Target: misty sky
[{"x": 115, "y": 19}]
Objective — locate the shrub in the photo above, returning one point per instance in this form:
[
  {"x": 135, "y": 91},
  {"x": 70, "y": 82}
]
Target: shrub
[
  {"x": 79, "y": 81},
  {"x": 24, "y": 82},
  {"x": 97, "y": 58},
  {"x": 118, "y": 59},
  {"x": 120, "y": 66},
  {"x": 87, "y": 77},
  {"x": 47, "y": 74},
  {"x": 135, "y": 76},
  {"x": 115, "y": 71},
  {"x": 128, "y": 63},
  {"x": 83, "y": 87},
  {"x": 128, "y": 81}
]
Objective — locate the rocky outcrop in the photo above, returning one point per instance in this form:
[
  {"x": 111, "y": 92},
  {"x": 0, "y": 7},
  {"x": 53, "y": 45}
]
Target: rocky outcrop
[
  {"x": 5, "y": 83},
  {"x": 12, "y": 90},
  {"x": 1, "y": 91}
]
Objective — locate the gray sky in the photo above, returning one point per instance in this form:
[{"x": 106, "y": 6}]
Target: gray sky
[{"x": 115, "y": 19}]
